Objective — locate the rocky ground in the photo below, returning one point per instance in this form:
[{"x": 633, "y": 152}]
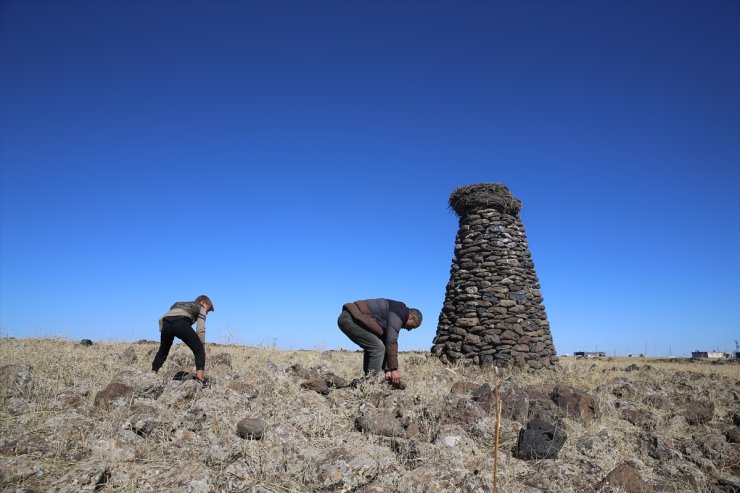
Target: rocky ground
[{"x": 77, "y": 418}]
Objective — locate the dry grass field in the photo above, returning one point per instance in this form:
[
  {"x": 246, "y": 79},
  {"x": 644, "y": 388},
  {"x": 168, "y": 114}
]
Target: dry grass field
[{"x": 93, "y": 418}]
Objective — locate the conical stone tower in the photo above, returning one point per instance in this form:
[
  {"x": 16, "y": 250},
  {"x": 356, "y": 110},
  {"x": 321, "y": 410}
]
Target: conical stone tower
[{"x": 493, "y": 312}]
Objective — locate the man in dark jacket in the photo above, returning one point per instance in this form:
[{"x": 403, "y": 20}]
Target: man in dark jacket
[{"x": 374, "y": 325}]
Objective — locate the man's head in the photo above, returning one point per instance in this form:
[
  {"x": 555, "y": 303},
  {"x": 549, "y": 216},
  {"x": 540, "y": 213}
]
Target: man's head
[
  {"x": 206, "y": 302},
  {"x": 414, "y": 319}
]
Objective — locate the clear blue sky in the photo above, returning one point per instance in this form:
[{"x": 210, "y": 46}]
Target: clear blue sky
[{"x": 287, "y": 157}]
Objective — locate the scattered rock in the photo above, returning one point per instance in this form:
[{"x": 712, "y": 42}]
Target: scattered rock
[
  {"x": 68, "y": 425},
  {"x": 464, "y": 388},
  {"x": 594, "y": 446},
  {"x": 640, "y": 418},
  {"x": 657, "y": 401},
  {"x": 454, "y": 444},
  {"x": 697, "y": 411},
  {"x": 733, "y": 435},
  {"x": 143, "y": 384},
  {"x": 119, "y": 448},
  {"x": 177, "y": 393},
  {"x": 128, "y": 356},
  {"x": 17, "y": 406},
  {"x": 251, "y": 428},
  {"x": 182, "y": 358},
  {"x": 17, "y": 380},
  {"x": 379, "y": 424},
  {"x": 431, "y": 479},
  {"x": 624, "y": 390},
  {"x": 17, "y": 469},
  {"x": 243, "y": 387},
  {"x": 514, "y": 401},
  {"x": 575, "y": 403},
  {"x": 625, "y": 477},
  {"x": 220, "y": 359},
  {"x": 729, "y": 485},
  {"x": 540, "y": 406},
  {"x": 72, "y": 398},
  {"x": 114, "y": 396},
  {"x": 342, "y": 469},
  {"x": 30, "y": 443},
  {"x": 316, "y": 384},
  {"x": 464, "y": 412},
  {"x": 85, "y": 477},
  {"x": 335, "y": 381},
  {"x": 571, "y": 475},
  {"x": 540, "y": 440},
  {"x": 181, "y": 477},
  {"x": 299, "y": 371},
  {"x": 145, "y": 424}
]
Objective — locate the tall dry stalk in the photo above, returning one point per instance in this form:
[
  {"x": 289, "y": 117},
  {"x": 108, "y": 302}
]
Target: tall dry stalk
[{"x": 496, "y": 436}]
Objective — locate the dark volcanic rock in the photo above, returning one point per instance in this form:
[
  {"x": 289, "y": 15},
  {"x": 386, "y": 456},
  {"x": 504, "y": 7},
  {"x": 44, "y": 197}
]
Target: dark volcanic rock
[
  {"x": 697, "y": 411},
  {"x": 380, "y": 424},
  {"x": 243, "y": 387},
  {"x": 317, "y": 384},
  {"x": 733, "y": 435},
  {"x": 115, "y": 395},
  {"x": 576, "y": 403},
  {"x": 251, "y": 428},
  {"x": 463, "y": 388},
  {"x": 540, "y": 440},
  {"x": 625, "y": 477},
  {"x": 335, "y": 381},
  {"x": 514, "y": 401}
]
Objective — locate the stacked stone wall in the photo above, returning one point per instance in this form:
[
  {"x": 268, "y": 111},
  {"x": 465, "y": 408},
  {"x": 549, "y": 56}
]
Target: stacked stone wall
[{"x": 493, "y": 312}]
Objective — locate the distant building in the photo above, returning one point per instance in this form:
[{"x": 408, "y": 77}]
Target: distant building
[
  {"x": 710, "y": 355},
  {"x": 589, "y": 354}
]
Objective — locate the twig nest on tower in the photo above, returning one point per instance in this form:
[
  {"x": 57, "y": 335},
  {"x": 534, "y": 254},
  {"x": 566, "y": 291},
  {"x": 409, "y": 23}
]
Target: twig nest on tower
[{"x": 465, "y": 200}]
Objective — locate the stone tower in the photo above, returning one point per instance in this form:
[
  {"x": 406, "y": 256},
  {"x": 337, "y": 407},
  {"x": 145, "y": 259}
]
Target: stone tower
[{"x": 493, "y": 312}]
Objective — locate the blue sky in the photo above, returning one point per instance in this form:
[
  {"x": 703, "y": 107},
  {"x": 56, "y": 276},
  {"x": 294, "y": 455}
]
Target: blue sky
[{"x": 287, "y": 157}]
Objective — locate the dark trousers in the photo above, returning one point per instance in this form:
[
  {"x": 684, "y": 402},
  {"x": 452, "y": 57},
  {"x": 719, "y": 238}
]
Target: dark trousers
[
  {"x": 373, "y": 357},
  {"x": 180, "y": 327}
]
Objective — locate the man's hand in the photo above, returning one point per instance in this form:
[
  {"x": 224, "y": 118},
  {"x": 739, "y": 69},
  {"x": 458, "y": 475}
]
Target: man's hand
[
  {"x": 200, "y": 375},
  {"x": 394, "y": 376}
]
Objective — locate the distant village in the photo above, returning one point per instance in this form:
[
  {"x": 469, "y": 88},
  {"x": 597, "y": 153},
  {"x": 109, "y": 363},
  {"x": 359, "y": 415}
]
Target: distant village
[{"x": 695, "y": 355}]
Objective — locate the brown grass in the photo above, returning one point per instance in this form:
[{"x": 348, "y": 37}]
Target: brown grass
[{"x": 60, "y": 366}]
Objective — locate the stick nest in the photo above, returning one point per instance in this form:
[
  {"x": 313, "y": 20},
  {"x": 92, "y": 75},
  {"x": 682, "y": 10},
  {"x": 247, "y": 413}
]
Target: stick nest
[{"x": 468, "y": 199}]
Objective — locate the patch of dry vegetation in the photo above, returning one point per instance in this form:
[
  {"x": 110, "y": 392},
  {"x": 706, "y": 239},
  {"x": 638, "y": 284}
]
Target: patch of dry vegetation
[{"x": 671, "y": 423}]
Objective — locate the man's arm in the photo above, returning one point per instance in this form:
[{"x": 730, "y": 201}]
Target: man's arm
[
  {"x": 363, "y": 317},
  {"x": 200, "y": 325},
  {"x": 391, "y": 342}
]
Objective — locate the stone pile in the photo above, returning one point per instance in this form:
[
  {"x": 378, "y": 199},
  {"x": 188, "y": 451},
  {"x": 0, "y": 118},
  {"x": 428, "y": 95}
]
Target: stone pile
[{"x": 493, "y": 312}]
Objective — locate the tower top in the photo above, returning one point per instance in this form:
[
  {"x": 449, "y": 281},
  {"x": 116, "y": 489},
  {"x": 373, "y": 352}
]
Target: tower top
[{"x": 470, "y": 198}]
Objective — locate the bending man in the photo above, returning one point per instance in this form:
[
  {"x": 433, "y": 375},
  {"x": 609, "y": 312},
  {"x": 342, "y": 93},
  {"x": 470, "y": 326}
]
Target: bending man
[
  {"x": 177, "y": 322},
  {"x": 374, "y": 325}
]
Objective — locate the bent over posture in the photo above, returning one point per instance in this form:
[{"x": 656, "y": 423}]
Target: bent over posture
[
  {"x": 374, "y": 325},
  {"x": 178, "y": 322}
]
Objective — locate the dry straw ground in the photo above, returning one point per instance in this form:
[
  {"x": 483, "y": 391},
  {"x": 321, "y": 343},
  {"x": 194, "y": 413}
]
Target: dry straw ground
[{"x": 92, "y": 418}]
